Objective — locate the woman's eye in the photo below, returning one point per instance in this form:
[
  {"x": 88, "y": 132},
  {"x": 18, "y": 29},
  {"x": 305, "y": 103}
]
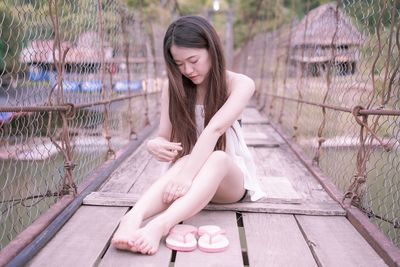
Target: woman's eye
[{"x": 194, "y": 62}]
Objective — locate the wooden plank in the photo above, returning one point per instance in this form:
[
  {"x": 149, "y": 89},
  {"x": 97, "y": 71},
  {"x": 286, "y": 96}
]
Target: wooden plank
[
  {"x": 152, "y": 172},
  {"x": 261, "y": 143},
  {"x": 275, "y": 240},
  {"x": 82, "y": 240},
  {"x": 264, "y": 129},
  {"x": 122, "y": 179},
  {"x": 321, "y": 208},
  {"x": 114, "y": 257},
  {"x": 231, "y": 257},
  {"x": 281, "y": 162},
  {"x": 337, "y": 243},
  {"x": 254, "y": 135},
  {"x": 263, "y": 205},
  {"x": 110, "y": 199},
  {"x": 251, "y": 114},
  {"x": 255, "y": 121},
  {"x": 259, "y": 139},
  {"x": 129, "y": 199},
  {"x": 279, "y": 187}
]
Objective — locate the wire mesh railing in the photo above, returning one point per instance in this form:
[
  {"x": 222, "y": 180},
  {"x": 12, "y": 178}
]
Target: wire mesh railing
[
  {"x": 330, "y": 77},
  {"x": 78, "y": 79}
]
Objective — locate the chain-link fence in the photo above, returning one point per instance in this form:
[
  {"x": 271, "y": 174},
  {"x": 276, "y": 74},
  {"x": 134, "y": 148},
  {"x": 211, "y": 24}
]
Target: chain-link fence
[
  {"x": 330, "y": 77},
  {"x": 78, "y": 79}
]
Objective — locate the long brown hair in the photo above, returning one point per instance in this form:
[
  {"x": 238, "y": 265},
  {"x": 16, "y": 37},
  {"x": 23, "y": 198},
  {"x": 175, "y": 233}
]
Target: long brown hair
[{"x": 194, "y": 32}]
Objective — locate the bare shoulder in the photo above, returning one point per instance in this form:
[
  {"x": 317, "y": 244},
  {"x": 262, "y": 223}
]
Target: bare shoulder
[{"x": 239, "y": 81}]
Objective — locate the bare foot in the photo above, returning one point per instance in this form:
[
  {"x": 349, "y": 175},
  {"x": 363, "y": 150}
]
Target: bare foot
[
  {"x": 147, "y": 239},
  {"x": 128, "y": 226}
]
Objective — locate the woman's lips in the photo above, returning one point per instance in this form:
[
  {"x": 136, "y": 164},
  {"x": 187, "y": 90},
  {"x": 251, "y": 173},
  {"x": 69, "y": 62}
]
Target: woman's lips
[{"x": 193, "y": 77}]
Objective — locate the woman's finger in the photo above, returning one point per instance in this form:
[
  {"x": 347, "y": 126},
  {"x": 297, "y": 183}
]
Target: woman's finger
[
  {"x": 166, "y": 193},
  {"x": 179, "y": 193},
  {"x": 166, "y": 197},
  {"x": 171, "y": 195},
  {"x": 164, "y": 158},
  {"x": 184, "y": 190},
  {"x": 168, "y": 154},
  {"x": 172, "y": 146}
]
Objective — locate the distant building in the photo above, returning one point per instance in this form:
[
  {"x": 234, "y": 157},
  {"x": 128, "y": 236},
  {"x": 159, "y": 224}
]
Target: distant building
[
  {"x": 83, "y": 56},
  {"x": 324, "y": 39}
]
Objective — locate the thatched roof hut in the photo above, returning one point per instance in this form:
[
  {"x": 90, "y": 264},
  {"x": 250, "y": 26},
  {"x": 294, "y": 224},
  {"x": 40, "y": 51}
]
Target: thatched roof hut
[
  {"x": 319, "y": 27},
  {"x": 325, "y": 37}
]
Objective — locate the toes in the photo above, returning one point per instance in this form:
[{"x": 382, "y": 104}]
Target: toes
[
  {"x": 152, "y": 251},
  {"x": 142, "y": 247},
  {"x": 133, "y": 249},
  {"x": 145, "y": 249},
  {"x": 138, "y": 243},
  {"x": 116, "y": 242},
  {"x": 131, "y": 246}
]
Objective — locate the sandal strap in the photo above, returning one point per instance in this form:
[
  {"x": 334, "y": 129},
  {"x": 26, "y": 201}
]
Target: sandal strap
[
  {"x": 211, "y": 235},
  {"x": 182, "y": 232}
]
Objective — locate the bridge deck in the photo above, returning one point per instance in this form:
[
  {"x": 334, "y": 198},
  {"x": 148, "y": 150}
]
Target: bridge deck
[{"x": 298, "y": 224}]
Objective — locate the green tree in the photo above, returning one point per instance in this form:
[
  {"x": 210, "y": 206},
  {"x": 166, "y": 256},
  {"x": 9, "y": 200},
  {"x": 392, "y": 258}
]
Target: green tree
[{"x": 11, "y": 40}]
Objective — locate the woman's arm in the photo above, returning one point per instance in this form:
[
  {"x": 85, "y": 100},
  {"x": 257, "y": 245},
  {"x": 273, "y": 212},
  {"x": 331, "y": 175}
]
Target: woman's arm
[
  {"x": 160, "y": 147},
  {"x": 242, "y": 89},
  {"x": 165, "y": 127}
]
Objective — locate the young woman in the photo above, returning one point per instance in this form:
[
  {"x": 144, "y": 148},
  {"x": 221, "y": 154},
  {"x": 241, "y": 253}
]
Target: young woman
[{"x": 199, "y": 134}]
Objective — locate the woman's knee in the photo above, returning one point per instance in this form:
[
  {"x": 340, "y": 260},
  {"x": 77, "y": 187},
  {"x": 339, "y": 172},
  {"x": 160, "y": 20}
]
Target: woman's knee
[{"x": 220, "y": 157}]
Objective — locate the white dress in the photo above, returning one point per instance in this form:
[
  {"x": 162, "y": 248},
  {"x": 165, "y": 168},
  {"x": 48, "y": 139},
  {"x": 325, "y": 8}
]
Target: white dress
[{"x": 236, "y": 147}]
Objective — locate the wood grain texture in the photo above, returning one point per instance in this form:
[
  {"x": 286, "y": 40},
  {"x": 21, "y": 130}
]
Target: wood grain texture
[
  {"x": 280, "y": 187},
  {"x": 82, "y": 240},
  {"x": 122, "y": 179},
  {"x": 231, "y": 257},
  {"x": 274, "y": 237},
  {"x": 264, "y": 129},
  {"x": 259, "y": 138},
  {"x": 251, "y": 113},
  {"x": 305, "y": 208},
  {"x": 275, "y": 240},
  {"x": 114, "y": 257},
  {"x": 337, "y": 243},
  {"x": 255, "y": 121},
  {"x": 263, "y": 206},
  {"x": 153, "y": 171},
  {"x": 281, "y": 162}
]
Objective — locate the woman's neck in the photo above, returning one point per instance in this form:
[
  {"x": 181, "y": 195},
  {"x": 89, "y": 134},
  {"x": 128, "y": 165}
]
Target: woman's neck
[{"x": 200, "y": 95}]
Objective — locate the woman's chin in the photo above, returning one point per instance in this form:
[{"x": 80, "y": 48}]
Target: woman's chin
[{"x": 197, "y": 81}]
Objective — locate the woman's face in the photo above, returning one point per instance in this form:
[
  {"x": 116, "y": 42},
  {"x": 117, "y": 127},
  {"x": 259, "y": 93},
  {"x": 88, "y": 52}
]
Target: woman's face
[{"x": 193, "y": 63}]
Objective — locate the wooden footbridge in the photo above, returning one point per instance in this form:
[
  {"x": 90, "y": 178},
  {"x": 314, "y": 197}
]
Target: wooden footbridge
[{"x": 297, "y": 224}]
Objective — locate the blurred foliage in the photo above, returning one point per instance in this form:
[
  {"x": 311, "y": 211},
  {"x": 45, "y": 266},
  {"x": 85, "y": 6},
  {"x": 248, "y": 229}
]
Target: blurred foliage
[
  {"x": 367, "y": 12},
  {"x": 250, "y": 17},
  {"x": 10, "y": 43}
]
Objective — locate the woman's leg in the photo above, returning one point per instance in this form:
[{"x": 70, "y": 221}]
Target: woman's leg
[
  {"x": 149, "y": 204},
  {"x": 205, "y": 185}
]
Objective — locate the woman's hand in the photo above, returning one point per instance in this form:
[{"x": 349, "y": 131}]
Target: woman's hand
[
  {"x": 162, "y": 149},
  {"x": 176, "y": 188}
]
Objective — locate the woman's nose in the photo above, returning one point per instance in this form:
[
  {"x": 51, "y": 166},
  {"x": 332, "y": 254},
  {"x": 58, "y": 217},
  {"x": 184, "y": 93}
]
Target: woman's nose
[{"x": 188, "y": 69}]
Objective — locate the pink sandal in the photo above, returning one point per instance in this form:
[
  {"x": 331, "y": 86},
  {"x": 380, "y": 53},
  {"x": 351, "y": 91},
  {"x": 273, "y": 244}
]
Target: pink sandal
[
  {"x": 212, "y": 239},
  {"x": 182, "y": 237}
]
